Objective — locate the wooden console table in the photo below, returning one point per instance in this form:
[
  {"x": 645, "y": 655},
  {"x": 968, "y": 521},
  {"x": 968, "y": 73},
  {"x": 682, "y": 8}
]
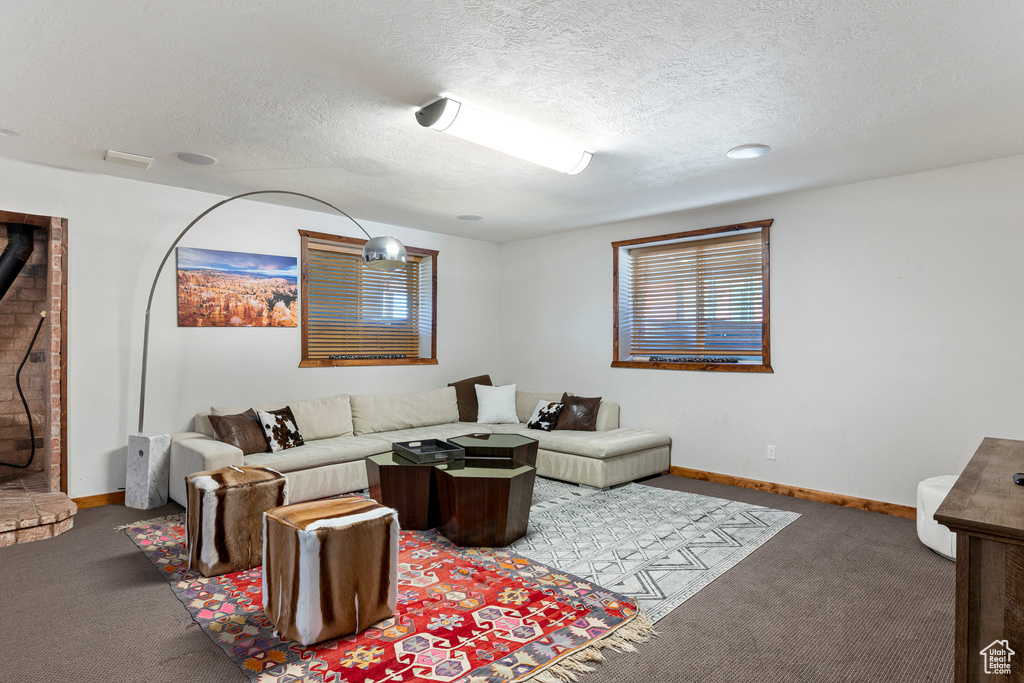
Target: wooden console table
[{"x": 986, "y": 510}]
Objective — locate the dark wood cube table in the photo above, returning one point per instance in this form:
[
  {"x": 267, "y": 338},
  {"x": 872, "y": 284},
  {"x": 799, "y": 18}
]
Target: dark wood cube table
[
  {"x": 986, "y": 510},
  {"x": 511, "y": 446},
  {"x": 407, "y": 487},
  {"x": 484, "y": 501}
]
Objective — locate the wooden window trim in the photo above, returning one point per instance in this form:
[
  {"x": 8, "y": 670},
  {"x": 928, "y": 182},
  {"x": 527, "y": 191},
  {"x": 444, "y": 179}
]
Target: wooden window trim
[
  {"x": 306, "y": 362},
  {"x": 765, "y": 367}
]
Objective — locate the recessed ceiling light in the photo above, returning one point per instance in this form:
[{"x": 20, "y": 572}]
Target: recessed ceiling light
[
  {"x": 747, "y": 151},
  {"x": 470, "y": 217},
  {"x": 196, "y": 159},
  {"x": 10, "y": 133}
]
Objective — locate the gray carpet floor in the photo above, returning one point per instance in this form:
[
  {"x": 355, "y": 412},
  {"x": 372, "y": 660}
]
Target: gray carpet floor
[{"x": 838, "y": 595}]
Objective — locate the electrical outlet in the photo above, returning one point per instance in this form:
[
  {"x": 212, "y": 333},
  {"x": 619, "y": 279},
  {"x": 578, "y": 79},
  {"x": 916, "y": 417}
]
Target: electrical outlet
[{"x": 771, "y": 452}]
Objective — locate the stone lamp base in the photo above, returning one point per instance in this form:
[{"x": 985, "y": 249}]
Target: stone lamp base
[{"x": 148, "y": 469}]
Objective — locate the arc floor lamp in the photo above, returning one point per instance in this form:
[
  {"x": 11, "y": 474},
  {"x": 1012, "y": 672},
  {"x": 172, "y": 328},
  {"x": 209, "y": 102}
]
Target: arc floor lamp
[{"x": 148, "y": 456}]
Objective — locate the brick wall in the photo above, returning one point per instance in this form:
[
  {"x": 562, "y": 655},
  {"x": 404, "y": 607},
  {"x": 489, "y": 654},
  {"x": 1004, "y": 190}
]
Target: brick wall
[
  {"x": 55, "y": 346},
  {"x": 19, "y": 315}
]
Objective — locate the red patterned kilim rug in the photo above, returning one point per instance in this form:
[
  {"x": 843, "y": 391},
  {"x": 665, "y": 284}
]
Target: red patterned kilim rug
[{"x": 465, "y": 615}]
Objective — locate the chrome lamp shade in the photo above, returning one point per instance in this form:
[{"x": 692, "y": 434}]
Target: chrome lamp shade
[{"x": 384, "y": 253}]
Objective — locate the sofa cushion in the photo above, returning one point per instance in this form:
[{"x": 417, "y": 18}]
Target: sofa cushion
[
  {"x": 607, "y": 416},
  {"x": 323, "y": 418},
  {"x": 578, "y": 413},
  {"x": 316, "y": 418},
  {"x": 319, "y": 453},
  {"x": 386, "y": 412},
  {"x": 465, "y": 396},
  {"x": 526, "y": 402},
  {"x": 512, "y": 428},
  {"x": 445, "y": 431},
  {"x": 242, "y": 431},
  {"x": 201, "y": 424},
  {"x": 599, "y": 444}
]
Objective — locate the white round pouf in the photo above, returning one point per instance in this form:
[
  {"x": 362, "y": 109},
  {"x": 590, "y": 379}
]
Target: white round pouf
[{"x": 930, "y": 494}]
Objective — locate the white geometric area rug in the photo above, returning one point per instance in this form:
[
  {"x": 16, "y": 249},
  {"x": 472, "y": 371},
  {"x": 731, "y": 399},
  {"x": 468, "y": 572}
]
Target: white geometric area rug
[{"x": 654, "y": 545}]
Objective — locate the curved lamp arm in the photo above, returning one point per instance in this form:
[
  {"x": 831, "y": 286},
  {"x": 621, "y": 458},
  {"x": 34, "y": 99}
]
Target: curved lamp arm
[{"x": 152, "y": 289}]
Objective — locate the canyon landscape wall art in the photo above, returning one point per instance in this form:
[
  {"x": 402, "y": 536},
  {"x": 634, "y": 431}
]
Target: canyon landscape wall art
[{"x": 236, "y": 289}]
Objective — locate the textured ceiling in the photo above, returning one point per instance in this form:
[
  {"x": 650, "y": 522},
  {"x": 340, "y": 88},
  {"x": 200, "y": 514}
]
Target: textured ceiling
[{"x": 318, "y": 97}]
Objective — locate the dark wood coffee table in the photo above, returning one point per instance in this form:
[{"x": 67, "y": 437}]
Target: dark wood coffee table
[
  {"x": 407, "y": 487},
  {"x": 511, "y": 446},
  {"x": 484, "y": 501}
]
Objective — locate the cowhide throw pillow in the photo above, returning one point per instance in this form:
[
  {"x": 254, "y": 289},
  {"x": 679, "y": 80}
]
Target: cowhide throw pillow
[
  {"x": 545, "y": 415},
  {"x": 279, "y": 428}
]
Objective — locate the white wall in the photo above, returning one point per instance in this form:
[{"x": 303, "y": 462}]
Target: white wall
[
  {"x": 897, "y": 333},
  {"x": 118, "y": 231},
  {"x": 896, "y": 325}
]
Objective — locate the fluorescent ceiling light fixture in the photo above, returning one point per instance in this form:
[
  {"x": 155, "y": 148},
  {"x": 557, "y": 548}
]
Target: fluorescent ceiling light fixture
[
  {"x": 126, "y": 159},
  {"x": 511, "y": 137},
  {"x": 748, "y": 151}
]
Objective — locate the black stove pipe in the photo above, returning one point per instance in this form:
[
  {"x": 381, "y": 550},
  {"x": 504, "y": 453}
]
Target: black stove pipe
[
  {"x": 28, "y": 413},
  {"x": 20, "y": 244}
]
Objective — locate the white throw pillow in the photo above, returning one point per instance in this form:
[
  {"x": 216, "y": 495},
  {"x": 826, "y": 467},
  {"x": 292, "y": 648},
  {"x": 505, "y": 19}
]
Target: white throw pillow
[{"x": 497, "y": 404}]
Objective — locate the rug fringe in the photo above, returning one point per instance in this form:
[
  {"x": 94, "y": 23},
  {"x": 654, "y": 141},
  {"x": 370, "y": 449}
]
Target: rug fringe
[
  {"x": 638, "y": 630},
  {"x": 148, "y": 522}
]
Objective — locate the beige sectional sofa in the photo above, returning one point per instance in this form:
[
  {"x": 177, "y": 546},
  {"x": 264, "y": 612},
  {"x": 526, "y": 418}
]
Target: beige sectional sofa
[{"x": 341, "y": 431}]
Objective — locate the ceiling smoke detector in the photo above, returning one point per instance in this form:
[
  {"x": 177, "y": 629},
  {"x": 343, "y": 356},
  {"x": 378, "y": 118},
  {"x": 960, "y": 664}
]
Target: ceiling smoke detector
[
  {"x": 126, "y": 159},
  {"x": 748, "y": 151}
]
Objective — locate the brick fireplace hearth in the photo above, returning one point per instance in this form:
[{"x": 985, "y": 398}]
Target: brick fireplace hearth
[{"x": 33, "y": 500}]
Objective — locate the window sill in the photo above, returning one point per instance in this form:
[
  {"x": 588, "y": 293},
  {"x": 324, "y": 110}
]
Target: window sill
[
  {"x": 332, "y": 363},
  {"x": 705, "y": 367}
]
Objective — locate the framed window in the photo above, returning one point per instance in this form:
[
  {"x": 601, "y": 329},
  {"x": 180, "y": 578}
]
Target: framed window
[
  {"x": 352, "y": 315},
  {"x": 693, "y": 300}
]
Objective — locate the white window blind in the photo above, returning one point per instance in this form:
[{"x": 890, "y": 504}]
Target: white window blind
[
  {"x": 354, "y": 313},
  {"x": 696, "y": 301}
]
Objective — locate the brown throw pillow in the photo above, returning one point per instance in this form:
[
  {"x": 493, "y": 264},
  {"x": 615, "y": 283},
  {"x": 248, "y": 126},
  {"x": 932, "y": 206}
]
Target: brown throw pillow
[
  {"x": 241, "y": 431},
  {"x": 578, "y": 413},
  {"x": 465, "y": 396}
]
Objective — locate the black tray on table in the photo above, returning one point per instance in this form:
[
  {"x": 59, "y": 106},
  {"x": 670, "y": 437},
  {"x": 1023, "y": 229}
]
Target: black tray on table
[{"x": 425, "y": 451}]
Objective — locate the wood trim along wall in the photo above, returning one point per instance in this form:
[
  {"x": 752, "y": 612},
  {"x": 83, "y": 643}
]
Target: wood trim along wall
[
  {"x": 798, "y": 492},
  {"x": 694, "y": 233},
  {"x": 99, "y": 499},
  {"x": 26, "y": 218},
  {"x": 64, "y": 355}
]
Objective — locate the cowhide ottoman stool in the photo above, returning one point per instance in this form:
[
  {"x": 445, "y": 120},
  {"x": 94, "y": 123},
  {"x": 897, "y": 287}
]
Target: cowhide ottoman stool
[
  {"x": 330, "y": 567},
  {"x": 224, "y": 516}
]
